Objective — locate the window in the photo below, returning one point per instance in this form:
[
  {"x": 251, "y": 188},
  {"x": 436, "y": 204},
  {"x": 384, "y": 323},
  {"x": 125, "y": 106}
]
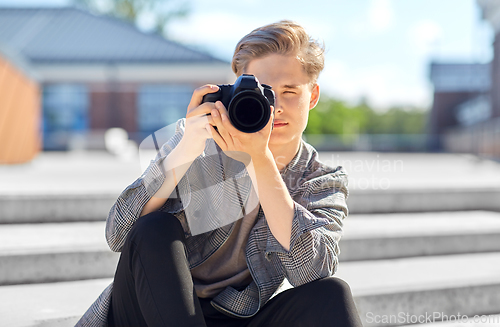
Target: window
[
  {"x": 161, "y": 105},
  {"x": 65, "y": 114}
]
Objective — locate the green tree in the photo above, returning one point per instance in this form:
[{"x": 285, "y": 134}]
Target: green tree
[
  {"x": 332, "y": 116},
  {"x": 159, "y": 12}
]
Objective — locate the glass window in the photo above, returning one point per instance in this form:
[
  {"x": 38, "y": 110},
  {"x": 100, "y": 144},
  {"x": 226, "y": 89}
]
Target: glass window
[
  {"x": 65, "y": 114},
  {"x": 161, "y": 105}
]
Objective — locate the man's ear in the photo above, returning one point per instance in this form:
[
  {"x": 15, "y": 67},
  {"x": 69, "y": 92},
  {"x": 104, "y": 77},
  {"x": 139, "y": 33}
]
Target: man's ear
[{"x": 314, "y": 96}]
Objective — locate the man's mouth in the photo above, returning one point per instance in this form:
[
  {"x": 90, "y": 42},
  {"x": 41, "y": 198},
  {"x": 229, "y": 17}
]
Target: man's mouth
[{"x": 278, "y": 123}]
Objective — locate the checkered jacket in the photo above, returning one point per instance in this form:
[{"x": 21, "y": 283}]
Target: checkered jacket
[{"x": 319, "y": 193}]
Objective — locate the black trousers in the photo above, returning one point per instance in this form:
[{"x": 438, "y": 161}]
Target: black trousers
[{"x": 153, "y": 287}]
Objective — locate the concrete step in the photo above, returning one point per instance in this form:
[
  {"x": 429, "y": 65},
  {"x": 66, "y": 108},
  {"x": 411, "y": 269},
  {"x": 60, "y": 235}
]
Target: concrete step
[
  {"x": 466, "y": 284},
  {"x": 449, "y": 285},
  {"x": 456, "y": 321},
  {"x": 95, "y": 205},
  {"x": 48, "y": 305},
  {"x": 37, "y": 253},
  {"x": 384, "y": 236},
  {"x": 64, "y": 186},
  {"x": 70, "y": 186},
  {"x": 424, "y": 200},
  {"x": 55, "y": 207}
]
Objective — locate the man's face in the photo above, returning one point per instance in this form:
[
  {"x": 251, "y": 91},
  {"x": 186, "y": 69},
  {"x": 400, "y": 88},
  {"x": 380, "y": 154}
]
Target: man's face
[{"x": 294, "y": 96}]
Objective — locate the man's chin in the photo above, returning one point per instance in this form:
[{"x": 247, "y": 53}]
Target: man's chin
[{"x": 279, "y": 140}]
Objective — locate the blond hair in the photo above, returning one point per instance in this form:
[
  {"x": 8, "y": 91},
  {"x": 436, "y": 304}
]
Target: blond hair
[{"x": 285, "y": 38}]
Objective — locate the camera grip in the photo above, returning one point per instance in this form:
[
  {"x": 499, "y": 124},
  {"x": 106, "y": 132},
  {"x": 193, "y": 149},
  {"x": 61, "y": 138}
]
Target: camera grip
[{"x": 212, "y": 97}]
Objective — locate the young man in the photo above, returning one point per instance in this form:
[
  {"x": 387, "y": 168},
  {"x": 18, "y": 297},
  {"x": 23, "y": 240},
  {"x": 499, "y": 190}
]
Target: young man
[{"x": 228, "y": 276}]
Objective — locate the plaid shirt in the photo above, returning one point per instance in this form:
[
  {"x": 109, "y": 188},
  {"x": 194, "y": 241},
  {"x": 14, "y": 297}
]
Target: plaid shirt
[{"x": 319, "y": 193}]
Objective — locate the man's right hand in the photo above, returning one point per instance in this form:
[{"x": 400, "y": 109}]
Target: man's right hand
[
  {"x": 191, "y": 146},
  {"x": 197, "y": 118}
]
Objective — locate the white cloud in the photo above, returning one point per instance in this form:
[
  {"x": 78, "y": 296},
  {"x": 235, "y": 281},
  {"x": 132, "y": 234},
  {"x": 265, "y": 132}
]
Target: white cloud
[
  {"x": 381, "y": 15},
  {"x": 217, "y": 32},
  {"x": 425, "y": 36},
  {"x": 383, "y": 85},
  {"x": 377, "y": 19}
]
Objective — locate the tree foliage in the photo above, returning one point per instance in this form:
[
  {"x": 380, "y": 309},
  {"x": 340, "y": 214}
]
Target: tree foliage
[
  {"x": 158, "y": 13},
  {"x": 332, "y": 116}
]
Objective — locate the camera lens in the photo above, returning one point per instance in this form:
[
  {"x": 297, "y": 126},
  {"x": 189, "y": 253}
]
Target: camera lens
[{"x": 249, "y": 112}]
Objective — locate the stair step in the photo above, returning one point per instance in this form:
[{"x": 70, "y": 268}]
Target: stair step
[
  {"x": 455, "y": 321},
  {"x": 77, "y": 186},
  {"x": 383, "y": 236},
  {"x": 64, "y": 186},
  {"x": 467, "y": 284},
  {"x": 394, "y": 200},
  {"x": 52, "y": 304},
  {"x": 95, "y": 205},
  {"x": 37, "y": 253},
  {"x": 55, "y": 207}
]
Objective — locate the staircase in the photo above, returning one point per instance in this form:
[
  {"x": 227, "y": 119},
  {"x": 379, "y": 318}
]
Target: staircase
[{"x": 422, "y": 250}]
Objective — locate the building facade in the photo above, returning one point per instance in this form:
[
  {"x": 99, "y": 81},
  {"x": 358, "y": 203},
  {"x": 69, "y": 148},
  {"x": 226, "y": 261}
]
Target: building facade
[
  {"x": 97, "y": 72},
  {"x": 465, "y": 116}
]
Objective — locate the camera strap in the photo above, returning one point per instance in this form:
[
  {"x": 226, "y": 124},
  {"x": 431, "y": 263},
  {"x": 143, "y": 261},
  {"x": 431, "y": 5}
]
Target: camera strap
[{"x": 243, "y": 211}]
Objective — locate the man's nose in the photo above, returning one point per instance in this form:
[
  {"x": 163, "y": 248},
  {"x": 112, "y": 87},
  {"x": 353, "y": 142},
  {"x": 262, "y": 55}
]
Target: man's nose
[{"x": 277, "y": 107}]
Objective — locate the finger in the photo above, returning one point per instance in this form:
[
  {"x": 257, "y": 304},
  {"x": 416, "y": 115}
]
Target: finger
[
  {"x": 202, "y": 110},
  {"x": 198, "y": 94},
  {"x": 200, "y": 121},
  {"x": 216, "y": 136},
  {"x": 216, "y": 119},
  {"x": 270, "y": 123},
  {"x": 226, "y": 123},
  {"x": 217, "y": 115}
]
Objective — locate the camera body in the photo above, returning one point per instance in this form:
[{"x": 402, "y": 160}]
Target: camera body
[{"x": 248, "y": 102}]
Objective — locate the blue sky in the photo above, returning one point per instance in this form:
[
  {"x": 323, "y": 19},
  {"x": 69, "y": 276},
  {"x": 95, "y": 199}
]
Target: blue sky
[{"x": 378, "y": 49}]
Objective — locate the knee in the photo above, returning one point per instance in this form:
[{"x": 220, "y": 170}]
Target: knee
[
  {"x": 331, "y": 288},
  {"x": 323, "y": 301},
  {"x": 155, "y": 226}
]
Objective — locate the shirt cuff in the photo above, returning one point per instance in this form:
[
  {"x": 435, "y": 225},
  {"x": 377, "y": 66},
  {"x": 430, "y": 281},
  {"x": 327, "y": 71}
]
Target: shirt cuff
[
  {"x": 303, "y": 222},
  {"x": 153, "y": 179}
]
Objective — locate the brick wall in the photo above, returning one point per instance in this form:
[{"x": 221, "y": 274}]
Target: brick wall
[{"x": 113, "y": 106}]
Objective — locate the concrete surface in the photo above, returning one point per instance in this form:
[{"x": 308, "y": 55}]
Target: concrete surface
[
  {"x": 82, "y": 186},
  {"x": 456, "y": 320},
  {"x": 38, "y": 253},
  {"x": 81, "y": 172},
  {"x": 414, "y": 263},
  {"x": 465, "y": 284},
  {"x": 384, "y": 236},
  {"x": 468, "y": 284},
  {"x": 375, "y": 170},
  {"x": 51, "y": 304}
]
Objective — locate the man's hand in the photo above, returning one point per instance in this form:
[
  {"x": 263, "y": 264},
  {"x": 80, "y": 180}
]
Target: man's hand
[
  {"x": 191, "y": 146},
  {"x": 274, "y": 197},
  {"x": 197, "y": 117},
  {"x": 232, "y": 140}
]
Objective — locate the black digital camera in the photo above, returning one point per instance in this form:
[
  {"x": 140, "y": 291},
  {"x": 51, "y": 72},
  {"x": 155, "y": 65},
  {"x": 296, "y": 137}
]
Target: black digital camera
[{"x": 248, "y": 102}]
